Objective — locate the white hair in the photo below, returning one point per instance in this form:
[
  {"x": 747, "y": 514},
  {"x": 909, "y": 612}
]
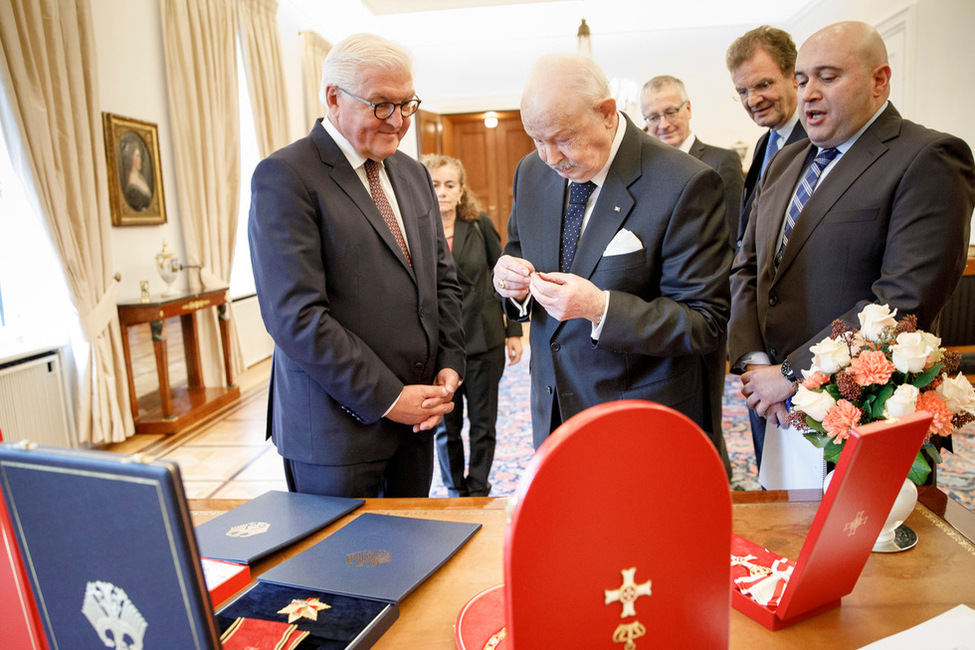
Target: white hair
[{"x": 345, "y": 62}]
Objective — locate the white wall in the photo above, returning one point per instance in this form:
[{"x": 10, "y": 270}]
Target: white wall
[{"x": 132, "y": 82}]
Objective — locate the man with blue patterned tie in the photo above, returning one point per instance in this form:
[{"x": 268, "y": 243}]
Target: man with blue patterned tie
[
  {"x": 632, "y": 296},
  {"x": 872, "y": 209}
]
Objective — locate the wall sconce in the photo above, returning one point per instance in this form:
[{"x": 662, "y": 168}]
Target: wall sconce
[
  {"x": 490, "y": 119},
  {"x": 585, "y": 42}
]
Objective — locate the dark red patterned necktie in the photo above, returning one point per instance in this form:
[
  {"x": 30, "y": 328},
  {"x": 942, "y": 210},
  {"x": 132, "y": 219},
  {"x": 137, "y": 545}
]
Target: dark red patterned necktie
[{"x": 385, "y": 209}]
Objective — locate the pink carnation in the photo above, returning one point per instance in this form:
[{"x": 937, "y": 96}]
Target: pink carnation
[
  {"x": 815, "y": 380},
  {"x": 931, "y": 402},
  {"x": 872, "y": 367},
  {"x": 841, "y": 418}
]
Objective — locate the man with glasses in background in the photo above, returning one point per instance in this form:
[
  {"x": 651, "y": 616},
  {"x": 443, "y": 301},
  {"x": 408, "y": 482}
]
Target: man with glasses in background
[
  {"x": 762, "y": 63},
  {"x": 357, "y": 287},
  {"x": 667, "y": 110}
]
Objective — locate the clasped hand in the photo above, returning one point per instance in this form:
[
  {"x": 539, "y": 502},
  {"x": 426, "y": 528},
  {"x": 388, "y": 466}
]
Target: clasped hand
[
  {"x": 765, "y": 391},
  {"x": 424, "y": 406}
]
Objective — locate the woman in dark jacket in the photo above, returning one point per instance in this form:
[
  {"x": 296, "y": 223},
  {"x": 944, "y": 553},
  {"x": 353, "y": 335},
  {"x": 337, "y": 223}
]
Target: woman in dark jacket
[{"x": 476, "y": 246}]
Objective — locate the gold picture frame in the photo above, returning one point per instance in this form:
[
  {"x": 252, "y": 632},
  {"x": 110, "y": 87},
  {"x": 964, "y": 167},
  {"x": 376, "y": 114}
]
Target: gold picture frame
[{"x": 135, "y": 187}]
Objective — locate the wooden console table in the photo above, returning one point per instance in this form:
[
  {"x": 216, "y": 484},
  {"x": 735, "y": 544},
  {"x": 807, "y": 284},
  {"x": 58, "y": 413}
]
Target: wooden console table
[{"x": 178, "y": 408}]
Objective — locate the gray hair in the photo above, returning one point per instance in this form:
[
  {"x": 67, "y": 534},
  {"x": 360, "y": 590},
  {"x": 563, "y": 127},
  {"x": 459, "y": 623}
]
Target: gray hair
[
  {"x": 345, "y": 62},
  {"x": 664, "y": 81}
]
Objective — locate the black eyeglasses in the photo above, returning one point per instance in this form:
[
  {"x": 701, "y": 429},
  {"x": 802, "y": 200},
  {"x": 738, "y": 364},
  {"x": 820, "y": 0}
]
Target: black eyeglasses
[
  {"x": 385, "y": 110},
  {"x": 670, "y": 114}
]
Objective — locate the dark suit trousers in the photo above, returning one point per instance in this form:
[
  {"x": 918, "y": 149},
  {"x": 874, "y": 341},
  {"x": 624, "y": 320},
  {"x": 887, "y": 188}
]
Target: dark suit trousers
[
  {"x": 408, "y": 473},
  {"x": 480, "y": 388},
  {"x": 758, "y": 434}
]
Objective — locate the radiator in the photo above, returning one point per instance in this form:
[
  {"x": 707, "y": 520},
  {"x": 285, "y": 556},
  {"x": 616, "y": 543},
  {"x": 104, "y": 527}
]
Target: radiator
[{"x": 33, "y": 403}]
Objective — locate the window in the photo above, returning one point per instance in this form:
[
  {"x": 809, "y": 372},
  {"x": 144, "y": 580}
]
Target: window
[
  {"x": 34, "y": 297},
  {"x": 242, "y": 274}
]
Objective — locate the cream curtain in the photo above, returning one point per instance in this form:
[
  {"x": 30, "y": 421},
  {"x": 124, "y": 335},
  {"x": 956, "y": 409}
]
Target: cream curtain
[
  {"x": 49, "y": 108},
  {"x": 314, "y": 49},
  {"x": 199, "y": 39},
  {"x": 264, "y": 63}
]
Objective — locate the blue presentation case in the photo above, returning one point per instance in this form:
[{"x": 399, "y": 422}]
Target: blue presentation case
[
  {"x": 108, "y": 546},
  {"x": 267, "y": 523},
  {"x": 362, "y": 571}
]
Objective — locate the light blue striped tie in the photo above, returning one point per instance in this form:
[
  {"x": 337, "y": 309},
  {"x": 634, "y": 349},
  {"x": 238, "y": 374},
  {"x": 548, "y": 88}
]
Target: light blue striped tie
[{"x": 803, "y": 192}]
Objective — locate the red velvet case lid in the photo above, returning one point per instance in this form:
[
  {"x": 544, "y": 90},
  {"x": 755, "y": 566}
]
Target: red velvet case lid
[
  {"x": 874, "y": 463},
  {"x": 621, "y": 531}
]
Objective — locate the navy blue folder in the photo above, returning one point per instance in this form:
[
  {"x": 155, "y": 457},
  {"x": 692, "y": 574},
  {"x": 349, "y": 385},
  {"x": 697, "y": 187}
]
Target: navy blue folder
[
  {"x": 362, "y": 571},
  {"x": 263, "y": 525},
  {"x": 107, "y": 545},
  {"x": 383, "y": 557}
]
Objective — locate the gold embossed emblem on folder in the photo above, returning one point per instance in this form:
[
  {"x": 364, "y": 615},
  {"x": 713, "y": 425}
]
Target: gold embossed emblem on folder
[
  {"x": 249, "y": 529},
  {"x": 368, "y": 559}
]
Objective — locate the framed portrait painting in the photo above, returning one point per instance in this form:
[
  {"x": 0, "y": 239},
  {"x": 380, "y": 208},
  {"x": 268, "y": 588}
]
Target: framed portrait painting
[{"x": 135, "y": 187}]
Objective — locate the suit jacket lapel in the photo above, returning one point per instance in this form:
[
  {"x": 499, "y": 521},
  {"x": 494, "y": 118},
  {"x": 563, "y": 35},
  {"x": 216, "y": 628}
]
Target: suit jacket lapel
[
  {"x": 407, "y": 208},
  {"x": 551, "y": 205},
  {"x": 463, "y": 240},
  {"x": 613, "y": 205},
  {"x": 349, "y": 182},
  {"x": 697, "y": 149},
  {"x": 869, "y": 147}
]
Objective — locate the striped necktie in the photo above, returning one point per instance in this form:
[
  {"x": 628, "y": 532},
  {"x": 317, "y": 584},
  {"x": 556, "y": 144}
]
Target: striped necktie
[
  {"x": 385, "y": 209},
  {"x": 802, "y": 194}
]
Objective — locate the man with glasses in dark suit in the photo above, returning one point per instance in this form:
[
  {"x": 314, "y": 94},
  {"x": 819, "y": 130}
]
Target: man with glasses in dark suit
[{"x": 357, "y": 288}]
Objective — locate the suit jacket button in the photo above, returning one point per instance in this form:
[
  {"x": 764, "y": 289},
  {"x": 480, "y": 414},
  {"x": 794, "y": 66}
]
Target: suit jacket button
[
  {"x": 418, "y": 366},
  {"x": 548, "y": 389},
  {"x": 773, "y": 353},
  {"x": 556, "y": 347},
  {"x": 772, "y": 300}
]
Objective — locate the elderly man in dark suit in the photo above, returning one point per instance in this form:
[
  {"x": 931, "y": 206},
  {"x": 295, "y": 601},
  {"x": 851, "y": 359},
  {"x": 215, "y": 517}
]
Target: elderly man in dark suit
[
  {"x": 357, "y": 287},
  {"x": 762, "y": 63},
  {"x": 629, "y": 308},
  {"x": 881, "y": 215}
]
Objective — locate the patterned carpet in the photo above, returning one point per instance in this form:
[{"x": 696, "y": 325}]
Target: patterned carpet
[{"x": 956, "y": 475}]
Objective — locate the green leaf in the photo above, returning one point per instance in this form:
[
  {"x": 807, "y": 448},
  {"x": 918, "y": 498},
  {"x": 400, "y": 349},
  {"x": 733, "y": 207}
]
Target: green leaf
[
  {"x": 920, "y": 470},
  {"x": 832, "y": 451},
  {"x": 932, "y": 452},
  {"x": 817, "y": 439},
  {"x": 816, "y": 426},
  {"x": 833, "y": 390},
  {"x": 928, "y": 375},
  {"x": 878, "y": 406}
]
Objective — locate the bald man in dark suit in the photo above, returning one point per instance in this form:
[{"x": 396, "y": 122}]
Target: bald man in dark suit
[{"x": 887, "y": 221}]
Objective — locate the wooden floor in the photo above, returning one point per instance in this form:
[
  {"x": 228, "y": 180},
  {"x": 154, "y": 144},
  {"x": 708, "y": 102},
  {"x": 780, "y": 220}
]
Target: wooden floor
[{"x": 223, "y": 456}]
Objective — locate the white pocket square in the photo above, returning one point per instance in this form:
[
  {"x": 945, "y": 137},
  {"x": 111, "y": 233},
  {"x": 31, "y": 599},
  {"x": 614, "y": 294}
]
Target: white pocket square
[{"x": 624, "y": 242}]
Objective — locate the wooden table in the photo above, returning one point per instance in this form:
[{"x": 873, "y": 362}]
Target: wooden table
[
  {"x": 895, "y": 591},
  {"x": 177, "y": 408}
]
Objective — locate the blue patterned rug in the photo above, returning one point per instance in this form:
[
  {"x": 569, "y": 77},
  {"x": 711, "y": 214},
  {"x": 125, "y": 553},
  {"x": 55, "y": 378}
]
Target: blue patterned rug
[{"x": 514, "y": 449}]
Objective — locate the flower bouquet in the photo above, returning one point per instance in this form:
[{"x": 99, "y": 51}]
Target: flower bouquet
[{"x": 886, "y": 369}]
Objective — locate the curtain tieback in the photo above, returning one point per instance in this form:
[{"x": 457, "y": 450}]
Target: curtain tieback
[{"x": 95, "y": 321}]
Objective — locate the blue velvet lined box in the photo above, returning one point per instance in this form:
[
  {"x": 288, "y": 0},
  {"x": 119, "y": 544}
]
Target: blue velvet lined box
[
  {"x": 267, "y": 523},
  {"x": 362, "y": 571},
  {"x": 108, "y": 545}
]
